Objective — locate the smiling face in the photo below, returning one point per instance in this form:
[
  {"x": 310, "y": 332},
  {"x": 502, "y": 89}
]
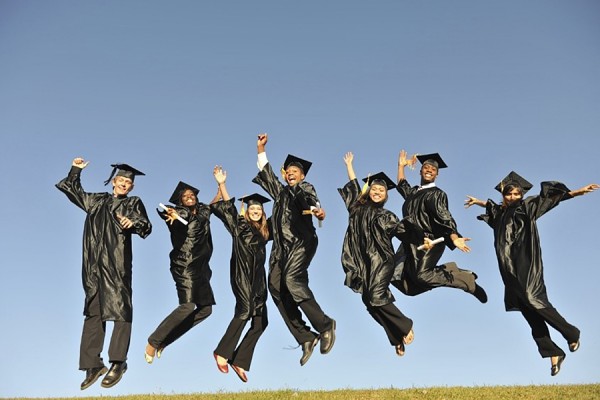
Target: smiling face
[
  {"x": 255, "y": 212},
  {"x": 378, "y": 193},
  {"x": 293, "y": 175},
  {"x": 121, "y": 186},
  {"x": 188, "y": 198},
  {"x": 428, "y": 173}
]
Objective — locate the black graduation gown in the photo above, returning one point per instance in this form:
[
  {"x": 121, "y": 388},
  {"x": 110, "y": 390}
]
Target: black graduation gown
[
  {"x": 247, "y": 265},
  {"x": 192, "y": 249},
  {"x": 368, "y": 252},
  {"x": 517, "y": 245},
  {"x": 293, "y": 232},
  {"x": 107, "y": 255}
]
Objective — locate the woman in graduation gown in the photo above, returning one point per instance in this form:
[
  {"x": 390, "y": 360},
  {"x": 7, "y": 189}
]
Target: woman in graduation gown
[
  {"x": 250, "y": 234},
  {"x": 192, "y": 248},
  {"x": 368, "y": 252},
  {"x": 517, "y": 245}
]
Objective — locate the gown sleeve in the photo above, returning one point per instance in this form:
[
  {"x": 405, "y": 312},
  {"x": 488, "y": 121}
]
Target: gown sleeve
[
  {"x": 551, "y": 194},
  {"x": 71, "y": 187},
  {"x": 267, "y": 180},
  {"x": 350, "y": 192},
  {"x": 226, "y": 211}
]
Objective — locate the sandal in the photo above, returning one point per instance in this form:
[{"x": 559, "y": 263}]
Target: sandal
[{"x": 400, "y": 350}]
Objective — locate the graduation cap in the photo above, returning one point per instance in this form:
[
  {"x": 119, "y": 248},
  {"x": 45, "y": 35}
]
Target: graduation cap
[
  {"x": 123, "y": 170},
  {"x": 433, "y": 159},
  {"x": 514, "y": 179},
  {"x": 380, "y": 178},
  {"x": 182, "y": 187},
  {"x": 254, "y": 198},
  {"x": 293, "y": 161}
]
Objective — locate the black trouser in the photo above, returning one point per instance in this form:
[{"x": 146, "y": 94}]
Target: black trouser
[
  {"x": 92, "y": 339},
  {"x": 421, "y": 272},
  {"x": 395, "y": 324},
  {"x": 539, "y": 319},
  {"x": 242, "y": 355},
  {"x": 290, "y": 309},
  {"x": 181, "y": 320}
]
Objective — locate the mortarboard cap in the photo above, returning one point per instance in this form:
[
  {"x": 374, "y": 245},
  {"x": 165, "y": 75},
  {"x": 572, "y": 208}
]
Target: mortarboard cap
[
  {"x": 123, "y": 170},
  {"x": 297, "y": 162},
  {"x": 254, "y": 198},
  {"x": 380, "y": 178},
  {"x": 433, "y": 159},
  {"x": 181, "y": 187},
  {"x": 515, "y": 179}
]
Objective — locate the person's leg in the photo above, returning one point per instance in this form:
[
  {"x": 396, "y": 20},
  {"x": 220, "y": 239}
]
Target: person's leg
[
  {"x": 245, "y": 351},
  {"x": 198, "y": 315},
  {"x": 92, "y": 338},
  {"x": 395, "y": 324},
  {"x": 540, "y": 333},
  {"x": 570, "y": 332},
  {"x": 119, "y": 342},
  {"x": 230, "y": 339},
  {"x": 170, "y": 324}
]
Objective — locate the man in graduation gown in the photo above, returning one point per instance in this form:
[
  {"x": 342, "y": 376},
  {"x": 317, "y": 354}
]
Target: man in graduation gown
[
  {"x": 107, "y": 267},
  {"x": 427, "y": 205},
  {"x": 294, "y": 245}
]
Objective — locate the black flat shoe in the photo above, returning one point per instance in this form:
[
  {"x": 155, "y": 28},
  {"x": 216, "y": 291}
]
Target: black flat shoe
[
  {"x": 328, "y": 338},
  {"x": 115, "y": 373},
  {"x": 556, "y": 367},
  {"x": 307, "y": 350},
  {"x": 480, "y": 294},
  {"x": 573, "y": 347},
  {"x": 92, "y": 375}
]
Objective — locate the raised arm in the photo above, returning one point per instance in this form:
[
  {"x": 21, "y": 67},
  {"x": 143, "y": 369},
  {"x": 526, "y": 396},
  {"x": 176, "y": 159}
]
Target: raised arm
[
  {"x": 403, "y": 162},
  {"x": 348, "y": 158},
  {"x": 261, "y": 143},
  {"x": 220, "y": 177}
]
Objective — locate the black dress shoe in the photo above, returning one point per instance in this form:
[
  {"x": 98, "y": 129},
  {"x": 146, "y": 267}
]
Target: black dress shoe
[
  {"x": 556, "y": 367},
  {"x": 307, "y": 350},
  {"x": 480, "y": 294},
  {"x": 92, "y": 375},
  {"x": 115, "y": 373},
  {"x": 328, "y": 338}
]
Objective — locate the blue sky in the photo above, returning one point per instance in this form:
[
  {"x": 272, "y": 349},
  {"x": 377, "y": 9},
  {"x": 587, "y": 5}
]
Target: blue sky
[{"x": 174, "y": 88}]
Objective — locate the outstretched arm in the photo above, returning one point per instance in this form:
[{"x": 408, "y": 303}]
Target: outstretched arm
[
  {"x": 348, "y": 158},
  {"x": 470, "y": 201},
  {"x": 220, "y": 177},
  {"x": 403, "y": 162},
  {"x": 584, "y": 190}
]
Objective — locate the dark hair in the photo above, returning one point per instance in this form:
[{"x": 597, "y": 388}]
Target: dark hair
[
  {"x": 509, "y": 187},
  {"x": 365, "y": 199}
]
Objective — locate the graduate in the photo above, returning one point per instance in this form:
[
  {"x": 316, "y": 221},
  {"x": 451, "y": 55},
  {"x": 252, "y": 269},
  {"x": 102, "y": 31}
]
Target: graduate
[
  {"x": 517, "y": 245},
  {"x": 418, "y": 271},
  {"x": 189, "y": 225},
  {"x": 250, "y": 232},
  {"x": 294, "y": 245},
  {"x": 111, "y": 220},
  {"x": 368, "y": 252}
]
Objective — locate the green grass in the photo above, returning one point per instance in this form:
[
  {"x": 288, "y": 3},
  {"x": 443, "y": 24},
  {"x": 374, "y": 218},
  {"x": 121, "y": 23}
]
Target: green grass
[{"x": 547, "y": 392}]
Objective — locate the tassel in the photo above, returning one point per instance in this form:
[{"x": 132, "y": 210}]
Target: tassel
[
  {"x": 242, "y": 209},
  {"x": 282, "y": 170},
  {"x": 366, "y": 185}
]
